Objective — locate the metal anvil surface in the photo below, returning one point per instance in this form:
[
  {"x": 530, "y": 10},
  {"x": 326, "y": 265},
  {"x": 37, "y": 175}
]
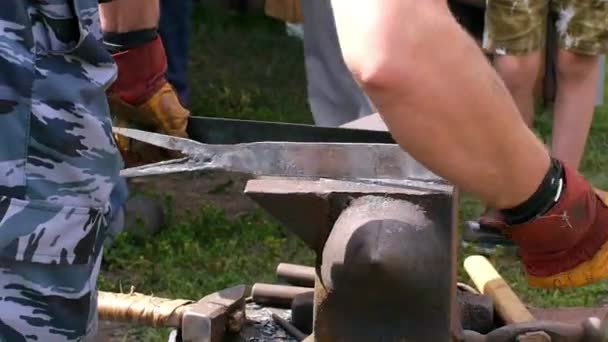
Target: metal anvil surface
[
  {"x": 386, "y": 255},
  {"x": 386, "y": 252},
  {"x": 382, "y": 225}
]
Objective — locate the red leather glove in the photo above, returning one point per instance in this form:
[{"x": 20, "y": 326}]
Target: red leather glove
[{"x": 567, "y": 247}]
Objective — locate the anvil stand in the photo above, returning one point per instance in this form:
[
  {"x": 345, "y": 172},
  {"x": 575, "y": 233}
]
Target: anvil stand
[{"x": 386, "y": 254}]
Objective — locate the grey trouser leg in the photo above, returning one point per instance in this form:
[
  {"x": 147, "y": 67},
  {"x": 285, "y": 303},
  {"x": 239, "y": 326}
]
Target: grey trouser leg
[{"x": 333, "y": 95}]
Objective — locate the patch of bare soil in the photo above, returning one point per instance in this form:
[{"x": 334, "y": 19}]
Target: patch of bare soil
[{"x": 190, "y": 191}]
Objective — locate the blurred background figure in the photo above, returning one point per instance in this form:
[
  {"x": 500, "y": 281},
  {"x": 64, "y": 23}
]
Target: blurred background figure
[
  {"x": 333, "y": 95},
  {"x": 175, "y": 29}
]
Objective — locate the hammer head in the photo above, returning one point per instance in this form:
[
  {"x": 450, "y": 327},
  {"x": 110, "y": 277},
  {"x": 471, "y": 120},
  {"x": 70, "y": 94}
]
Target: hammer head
[{"x": 208, "y": 319}]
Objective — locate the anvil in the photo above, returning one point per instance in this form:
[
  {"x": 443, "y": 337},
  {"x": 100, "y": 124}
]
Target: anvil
[{"x": 382, "y": 225}]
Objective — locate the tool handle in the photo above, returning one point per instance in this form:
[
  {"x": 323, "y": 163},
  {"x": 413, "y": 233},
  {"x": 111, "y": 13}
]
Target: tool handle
[
  {"x": 297, "y": 274},
  {"x": 141, "y": 309},
  {"x": 490, "y": 283}
]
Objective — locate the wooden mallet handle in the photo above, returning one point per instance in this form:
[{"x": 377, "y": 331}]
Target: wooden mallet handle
[
  {"x": 141, "y": 309},
  {"x": 487, "y": 280}
]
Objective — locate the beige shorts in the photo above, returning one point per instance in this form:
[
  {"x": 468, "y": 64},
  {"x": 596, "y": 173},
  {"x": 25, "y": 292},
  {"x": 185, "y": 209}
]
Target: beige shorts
[{"x": 520, "y": 26}]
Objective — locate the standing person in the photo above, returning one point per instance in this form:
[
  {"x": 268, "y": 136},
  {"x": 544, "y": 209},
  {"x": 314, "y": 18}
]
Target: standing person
[
  {"x": 333, "y": 95},
  {"x": 60, "y": 192},
  {"x": 175, "y": 29}
]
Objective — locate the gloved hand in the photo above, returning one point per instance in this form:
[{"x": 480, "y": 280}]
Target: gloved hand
[
  {"x": 142, "y": 98},
  {"x": 568, "y": 246}
]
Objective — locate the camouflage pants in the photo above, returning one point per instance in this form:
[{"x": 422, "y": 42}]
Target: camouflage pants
[
  {"x": 519, "y": 26},
  {"x": 60, "y": 188}
]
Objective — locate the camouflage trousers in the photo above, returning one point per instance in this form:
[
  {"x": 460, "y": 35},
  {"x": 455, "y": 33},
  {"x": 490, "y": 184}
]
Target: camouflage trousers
[
  {"x": 60, "y": 190},
  {"x": 520, "y": 26}
]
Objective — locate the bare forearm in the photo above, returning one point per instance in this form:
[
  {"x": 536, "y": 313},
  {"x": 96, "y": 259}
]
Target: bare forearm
[
  {"x": 440, "y": 98},
  {"x": 129, "y": 15}
]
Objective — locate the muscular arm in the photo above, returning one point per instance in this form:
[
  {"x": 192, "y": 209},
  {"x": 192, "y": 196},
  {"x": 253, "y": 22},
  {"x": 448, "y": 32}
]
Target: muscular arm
[{"x": 440, "y": 98}]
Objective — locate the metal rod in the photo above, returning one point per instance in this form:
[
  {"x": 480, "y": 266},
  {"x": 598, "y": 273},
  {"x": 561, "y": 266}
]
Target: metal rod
[
  {"x": 276, "y": 295},
  {"x": 290, "y": 328},
  {"x": 298, "y": 275}
]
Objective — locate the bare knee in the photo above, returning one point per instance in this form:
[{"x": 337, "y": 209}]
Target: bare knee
[
  {"x": 519, "y": 72},
  {"x": 572, "y": 66}
]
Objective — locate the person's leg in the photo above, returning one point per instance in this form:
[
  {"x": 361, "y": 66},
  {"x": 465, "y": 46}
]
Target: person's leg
[
  {"x": 515, "y": 33},
  {"x": 577, "y": 78},
  {"x": 520, "y": 74},
  {"x": 141, "y": 95},
  {"x": 61, "y": 183},
  {"x": 582, "y": 37},
  {"x": 175, "y": 30},
  {"x": 453, "y": 114},
  {"x": 334, "y": 97}
]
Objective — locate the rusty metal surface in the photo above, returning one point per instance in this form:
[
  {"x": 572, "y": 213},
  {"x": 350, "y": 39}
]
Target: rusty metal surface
[
  {"x": 386, "y": 254},
  {"x": 388, "y": 272},
  {"x": 302, "y": 309},
  {"x": 476, "y": 312},
  {"x": 309, "y": 208},
  {"x": 260, "y": 326},
  {"x": 282, "y": 159},
  {"x": 590, "y": 330},
  {"x": 568, "y": 315},
  {"x": 209, "y": 319},
  {"x": 290, "y": 328}
]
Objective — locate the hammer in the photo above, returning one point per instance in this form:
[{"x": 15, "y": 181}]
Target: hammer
[
  {"x": 489, "y": 282},
  {"x": 521, "y": 324},
  {"x": 206, "y": 320}
]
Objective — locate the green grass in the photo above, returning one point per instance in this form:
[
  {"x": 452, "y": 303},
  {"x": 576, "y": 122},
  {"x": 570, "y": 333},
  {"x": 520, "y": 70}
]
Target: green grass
[
  {"x": 246, "y": 67},
  {"x": 199, "y": 254}
]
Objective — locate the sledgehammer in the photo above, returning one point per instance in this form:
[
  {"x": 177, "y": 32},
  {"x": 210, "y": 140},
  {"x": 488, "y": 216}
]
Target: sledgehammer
[{"x": 206, "y": 320}]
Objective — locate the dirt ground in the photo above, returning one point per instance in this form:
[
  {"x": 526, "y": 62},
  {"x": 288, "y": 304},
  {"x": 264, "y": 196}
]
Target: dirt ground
[{"x": 190, "y": 191}]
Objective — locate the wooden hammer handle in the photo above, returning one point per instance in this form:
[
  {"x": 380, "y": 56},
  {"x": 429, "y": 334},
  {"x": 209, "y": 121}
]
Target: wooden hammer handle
[
  {"x": 490, "y": 283},
  {"x": 141, "y": 309}
]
